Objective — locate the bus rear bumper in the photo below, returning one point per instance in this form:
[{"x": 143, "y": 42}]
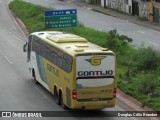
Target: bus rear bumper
[{"x": 93, "y": 105}]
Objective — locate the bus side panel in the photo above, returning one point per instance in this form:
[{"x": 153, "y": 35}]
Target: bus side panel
[
  {"x": 37, "y": 64},
  {"x": 49, "y": 75},
  {"x": 59, "y": 78},
  {"x": 52, "y": 74},
  {"x": 68, "y": 97},
  {"x": 40, "y": 64}
]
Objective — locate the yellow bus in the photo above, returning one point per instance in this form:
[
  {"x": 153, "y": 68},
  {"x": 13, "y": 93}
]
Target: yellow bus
[{"x": 80, "y": 74}]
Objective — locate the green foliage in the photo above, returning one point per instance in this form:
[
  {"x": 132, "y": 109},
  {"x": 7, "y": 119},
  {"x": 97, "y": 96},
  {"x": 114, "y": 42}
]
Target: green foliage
[
  {"x": 152, "y": 103},
  {"x": 143, "y": 18},
  {"x": 90, "y": 34},
  {"x": 117, "y": 42},
  {"x": 150, "y": 100},
  {"x": 149, "y": 85},
  {"x": 147, "y": 59},
  {"x": 31, "y": 15}
]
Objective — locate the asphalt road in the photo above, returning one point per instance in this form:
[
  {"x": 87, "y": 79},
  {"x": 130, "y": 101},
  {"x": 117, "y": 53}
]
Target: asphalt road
[{"x": 17, "y": 89}]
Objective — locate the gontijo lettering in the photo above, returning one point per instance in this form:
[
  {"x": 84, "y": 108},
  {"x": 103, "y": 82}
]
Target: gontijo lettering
[
  {"x": 53, "y": 70},
  {"x": 96, "y": 73}
]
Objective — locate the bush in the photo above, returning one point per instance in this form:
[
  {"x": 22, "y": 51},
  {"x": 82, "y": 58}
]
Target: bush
[
  {"x": 147, "y": 59},
  {"x": 117, "y": 42},
  {"x": 149, "y": 85}
]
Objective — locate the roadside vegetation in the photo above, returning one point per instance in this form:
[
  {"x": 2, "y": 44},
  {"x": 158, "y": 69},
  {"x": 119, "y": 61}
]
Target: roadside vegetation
[{"x": 138, "y": 69}]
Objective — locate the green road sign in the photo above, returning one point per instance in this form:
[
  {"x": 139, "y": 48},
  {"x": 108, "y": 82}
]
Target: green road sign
[{"x": 61, "y": 18}]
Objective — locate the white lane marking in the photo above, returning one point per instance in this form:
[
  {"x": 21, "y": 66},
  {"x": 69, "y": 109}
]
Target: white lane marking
[
  {"x": 12, "y": 33},
  {"x": 154, "y": 43},
  {"x": 110, "y": 28},
  {"x": 69, "y": 2},
  {"x": 89, "y": 9},
  {"x": 133, "y": 118},
  {"x": 41, "y": 92},
  {"x": 141, "y": 31},
  {"x": 8, "y": 60}
]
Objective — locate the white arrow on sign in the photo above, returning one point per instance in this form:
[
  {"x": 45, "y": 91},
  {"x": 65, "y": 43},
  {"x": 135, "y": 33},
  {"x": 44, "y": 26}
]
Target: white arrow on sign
[{"x": 73, "y": 20}]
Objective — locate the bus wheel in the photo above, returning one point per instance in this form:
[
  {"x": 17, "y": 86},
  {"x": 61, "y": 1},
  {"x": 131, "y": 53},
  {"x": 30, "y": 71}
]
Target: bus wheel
[
  {"x": 34, "y": 77},
  {"x": 62, "y": 103},
  {"x": 57, "y": 97},
  {"x": 35, "y": 80}
]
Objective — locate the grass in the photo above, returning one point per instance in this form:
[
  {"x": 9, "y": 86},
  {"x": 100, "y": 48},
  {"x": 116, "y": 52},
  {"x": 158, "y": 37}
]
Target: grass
[
  {"x": 137, "y": 68},
  {"x": 31, "y": 15}
]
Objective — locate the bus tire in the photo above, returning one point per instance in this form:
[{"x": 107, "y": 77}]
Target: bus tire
[
  {"x": 62, "y": 103},
  {"x": 34, "y": 77},
  {"x": 57, "y": 97}
]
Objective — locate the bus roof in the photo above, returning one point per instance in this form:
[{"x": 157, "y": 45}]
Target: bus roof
[{"x": 70, "y": 43}]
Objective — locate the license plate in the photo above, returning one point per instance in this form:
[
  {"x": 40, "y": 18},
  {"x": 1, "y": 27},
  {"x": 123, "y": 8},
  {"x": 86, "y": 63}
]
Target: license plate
[{"x": 95, "y": 99}]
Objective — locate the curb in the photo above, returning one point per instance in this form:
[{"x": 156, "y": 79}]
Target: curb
[
  {"x": 15, "y": 19},
  {"x": 23, "y": 27},
  {"x": 102, "y": 10},
  {"x": 132, "y": 21}
]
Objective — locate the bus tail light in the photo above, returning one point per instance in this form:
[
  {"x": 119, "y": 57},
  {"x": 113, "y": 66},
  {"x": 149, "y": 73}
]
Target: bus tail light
[
  {"x": 114, "y": 93},
  {"x": 74, "y": 94}
]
